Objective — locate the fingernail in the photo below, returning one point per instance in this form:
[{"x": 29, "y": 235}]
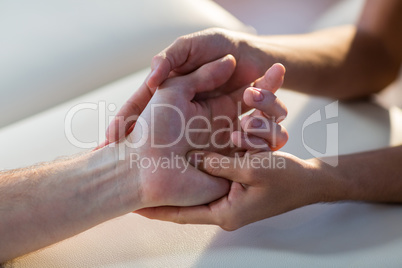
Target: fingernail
[
  {"x": 256, "y": 123},
  {"x": 257, "y": 95}
]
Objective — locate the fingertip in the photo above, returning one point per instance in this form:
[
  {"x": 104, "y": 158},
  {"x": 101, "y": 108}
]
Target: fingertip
[
  {"x": 226, "y": 65},
  {"x": 149, "y": 213},
  {"x": 276, "y": 72},
  {"x": 280, "y": 68},
  {"x": 283, "y": 113},
  {"x": 230, "y": 63},
  {"x": 211, "y": 75},
  {"x": 118, "y": 129},
  {"x": 248, "y": 96},
  {"x": 101, "y": 145},
  {"x": 230, "y": 58},
  {"x": 281, "y": 140},
  {"x": 273, "y": 78},
  {"x": 160, "y": 70}
]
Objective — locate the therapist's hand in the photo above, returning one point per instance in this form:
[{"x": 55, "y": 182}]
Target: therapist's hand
[
  {"x": 263, "y": 185},
  {"x": 187, "y": 54}
]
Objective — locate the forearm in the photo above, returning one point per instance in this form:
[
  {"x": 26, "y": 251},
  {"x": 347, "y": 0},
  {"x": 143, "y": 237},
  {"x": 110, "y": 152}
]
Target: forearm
[
  {"x": 341, "y": 62},
  {"x": 371, "y": 176},
  {"x": 45, "y": 204}
]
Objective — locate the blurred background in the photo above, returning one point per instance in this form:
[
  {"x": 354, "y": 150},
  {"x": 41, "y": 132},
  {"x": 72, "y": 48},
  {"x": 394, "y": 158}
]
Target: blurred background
[
  {"x": 53, "y": 51},
  {"x": 272, "y": 17}
]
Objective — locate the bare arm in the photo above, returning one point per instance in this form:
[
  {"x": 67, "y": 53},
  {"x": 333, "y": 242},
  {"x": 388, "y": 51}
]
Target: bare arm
[
  {"x": 343, "y": 62},
  {"x": 44, "y": 204},
  {"x": 370, "y": 176},
  {"x": 264, "y": 192}
]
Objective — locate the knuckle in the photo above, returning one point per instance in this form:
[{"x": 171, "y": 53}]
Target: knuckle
[{"x": 281, "y": 111}]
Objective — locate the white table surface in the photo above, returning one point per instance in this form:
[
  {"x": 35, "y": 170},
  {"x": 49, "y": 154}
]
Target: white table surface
[{"x": 323, "y": 235}]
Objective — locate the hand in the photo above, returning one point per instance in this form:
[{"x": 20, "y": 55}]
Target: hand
[
  {"x": 267, "y": 184},
  {"x": 250, "y": 187},
  {"x": 261, "y": 129},
  {"x": 187, "y": 54},
  {"x": 163, "y": 135}
]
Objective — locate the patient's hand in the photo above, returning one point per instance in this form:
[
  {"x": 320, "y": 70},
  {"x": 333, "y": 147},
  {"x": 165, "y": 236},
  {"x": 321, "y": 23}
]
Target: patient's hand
[{"x": 165, "y": 129}]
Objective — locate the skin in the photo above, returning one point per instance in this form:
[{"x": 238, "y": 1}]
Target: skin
[
  {"x": 49, "y": 202},
  {"x": 103, "y": 187},
  {"x": 260, "y": 193},
  {"x": 343, "y": 62}
]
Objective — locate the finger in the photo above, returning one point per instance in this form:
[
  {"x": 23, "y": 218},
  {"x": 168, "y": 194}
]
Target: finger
[
  {"x": 128, "y": 114},
  {"x": 206, "y": 78},
  {"x": 274, "y": 134},
  {"x": 218, "y": 165},
  {"x": 101, "y": 145},
  {"x": 161, "y": 66},
  {"x": 181, "y": 215},
  {"x": 169, "y": 59},
  {"x": 249, "y": 142},
  {"x": 272, "y": 79},
  {"x": 220, "y": 212},
  {"x": 188, "y": 53},
  {"x": 266, "y": 102}
]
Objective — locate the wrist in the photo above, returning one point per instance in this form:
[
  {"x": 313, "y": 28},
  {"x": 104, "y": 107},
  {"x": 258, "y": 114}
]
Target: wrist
[
  {"x": 257, "y": 52},
  {"x": 331, "y": 186},
  {"x": 121, "y": 179}
]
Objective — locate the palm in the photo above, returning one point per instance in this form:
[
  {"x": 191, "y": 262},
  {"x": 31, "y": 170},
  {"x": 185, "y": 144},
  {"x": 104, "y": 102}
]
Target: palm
[{"x": 170, "y": 114}]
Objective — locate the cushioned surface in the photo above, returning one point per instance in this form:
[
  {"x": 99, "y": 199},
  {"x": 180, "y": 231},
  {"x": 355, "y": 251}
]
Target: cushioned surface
[
  {"x": 323, "y": 235},
  {"x": 52, "y": 51}
]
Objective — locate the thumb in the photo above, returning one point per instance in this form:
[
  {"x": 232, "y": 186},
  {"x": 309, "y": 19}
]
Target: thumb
[
  {"x": 272, "y": 80},
  {"x": 217, "y": 165},
  {"x": 168, "y": 60}
]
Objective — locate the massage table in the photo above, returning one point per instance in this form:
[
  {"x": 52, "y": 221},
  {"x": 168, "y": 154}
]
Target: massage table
[{"x": 344, "y": 234}]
